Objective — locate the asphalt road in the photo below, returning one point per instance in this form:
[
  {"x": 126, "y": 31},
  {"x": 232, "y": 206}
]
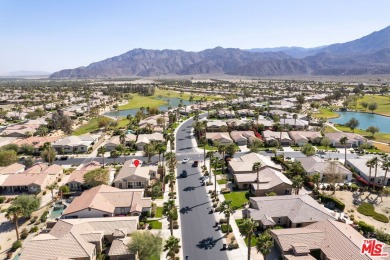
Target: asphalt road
[{"x": 200, "y": 237}]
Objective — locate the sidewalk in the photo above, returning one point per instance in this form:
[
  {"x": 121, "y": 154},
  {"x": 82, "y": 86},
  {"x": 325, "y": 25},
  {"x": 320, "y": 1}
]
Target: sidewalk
[{"x": 241, "y": 252}]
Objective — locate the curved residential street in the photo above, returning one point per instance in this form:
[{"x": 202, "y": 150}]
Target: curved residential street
[{"x": 200, "y": 237}]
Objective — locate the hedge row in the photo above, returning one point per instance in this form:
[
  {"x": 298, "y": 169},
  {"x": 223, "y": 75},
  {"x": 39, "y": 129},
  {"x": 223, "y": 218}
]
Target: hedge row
[{"x": 325, "y": 198}]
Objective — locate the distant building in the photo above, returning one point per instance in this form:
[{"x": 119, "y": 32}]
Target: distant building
[{"x": 354, "y": 140}]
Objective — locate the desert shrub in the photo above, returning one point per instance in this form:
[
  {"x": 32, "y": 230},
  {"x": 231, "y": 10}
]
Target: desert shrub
[
  {"x": 224, "y": 228},
  {"x": 232, "y": 246},
  {"x": 354, "y": 187},
  {"x": 34, "y": 229},
  {"x": 24, "y": 233},
  {"x": 223, "y": 221},
  {"x": 17, "y": 244},
  {"x": 2, "y": 199},
  {"x": 43, "y": 218}
]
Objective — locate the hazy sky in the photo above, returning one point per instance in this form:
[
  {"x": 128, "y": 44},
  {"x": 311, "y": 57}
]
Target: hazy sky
[{"x": 57, "y": 34}]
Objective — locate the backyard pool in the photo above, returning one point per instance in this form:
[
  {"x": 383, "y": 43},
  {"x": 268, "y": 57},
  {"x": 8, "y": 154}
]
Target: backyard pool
[{"x": 57, "y": 211}]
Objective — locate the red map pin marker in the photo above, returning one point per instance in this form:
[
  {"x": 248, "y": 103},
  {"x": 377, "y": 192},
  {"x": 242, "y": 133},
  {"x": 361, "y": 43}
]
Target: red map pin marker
[{"x": 136, "y": 163}]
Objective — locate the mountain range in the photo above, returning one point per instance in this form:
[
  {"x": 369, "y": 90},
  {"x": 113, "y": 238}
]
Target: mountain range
[{"x": 367, "y": 55}]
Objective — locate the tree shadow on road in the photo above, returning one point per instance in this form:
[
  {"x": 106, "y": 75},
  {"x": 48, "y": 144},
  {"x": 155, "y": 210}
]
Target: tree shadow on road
[
  {"x": 185, "y": 210},
  {"x": 208, "y": 243}
]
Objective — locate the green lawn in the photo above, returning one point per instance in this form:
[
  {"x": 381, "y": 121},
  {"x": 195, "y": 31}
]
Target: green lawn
[
  {"x": 185, "y": 96},
  {"x": 382, "y": 101},
  {"x": 329, "y": 129},
  {"x": 326, "y": 113},
  {"x": 123, "y": 123},
  {"x": 208, "y": 147},
  {"x": 222, "y": 181},
  {"x": 380, "y": 137},
  {"x": 138, "y": 101},
  {"x": 155, "y": 224},
  {"x": 237, "y": 197},
  {"x": 92, "y": 125},
  {"x": 158, "y": 212}
]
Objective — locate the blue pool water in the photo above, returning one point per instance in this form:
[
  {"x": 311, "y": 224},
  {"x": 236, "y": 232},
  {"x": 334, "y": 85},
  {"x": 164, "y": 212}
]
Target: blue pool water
[{"x": 365, "y": 120}]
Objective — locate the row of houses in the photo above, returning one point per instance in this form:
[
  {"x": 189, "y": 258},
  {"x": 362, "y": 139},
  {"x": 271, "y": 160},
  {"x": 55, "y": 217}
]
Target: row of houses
[{"x": 15, "y": 178}]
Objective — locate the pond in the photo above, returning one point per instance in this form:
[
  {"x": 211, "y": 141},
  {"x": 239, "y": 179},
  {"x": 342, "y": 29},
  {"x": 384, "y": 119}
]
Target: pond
[
  {"x": 173, "y": 103},
  {"x": 365, "y": 120}
]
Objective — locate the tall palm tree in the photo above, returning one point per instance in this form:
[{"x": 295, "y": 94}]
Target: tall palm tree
[
  {"x": 227, "y": 210},
  {"x": 101, "y": 151},
  {"x": 172, "y": 245},
  {"x": 170, "y": 211},
  {"x": 222, "y": 151},
  {"x": 376, "y": 163},
  {"x": 210, "y": 154},
  {"x": 248, "y": 228},
  {"x": 343, "y": 141},
  {"x": 385, "y": 167},
  {"x": 264, "y": 244},
  {"x": 171, "y": 178},
  {"x": 14, "y": 212},
  {"x": 52, "y": 187},
  {"x": 122, "y": 140},
  {"x": 256, "y": 167},
  {"x": 204, "y": 141},
  {"x": 370, "y": 164},
  {"x": 295, "y": 116}
]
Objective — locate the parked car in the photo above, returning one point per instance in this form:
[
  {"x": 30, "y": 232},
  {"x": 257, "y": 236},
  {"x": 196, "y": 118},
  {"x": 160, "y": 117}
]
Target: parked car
[
  {"x": 64, "y": 158},
  {"x": 195, "y": 164},
  {"x": 184, "y": 174}
]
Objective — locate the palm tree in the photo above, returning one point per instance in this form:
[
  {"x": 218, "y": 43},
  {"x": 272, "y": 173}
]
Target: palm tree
[
  {"x": 14, "y": 212},
  {"x": 343, "y": 141},
  {"x": 101, "y": 151},
  {"x": 150, "y": 150},
  {"x": 52, "y": 187},
  {"x": 370, "y": 164},
  {"x": 295, "y": 116},
  {"x": 161, "y": 149},
  {"x": 248, "y": 228},
  {"x": 316, "y": 179},
  {"x": 231, "y": 149},
  {"x": 122, "y": 140},
  {"x": 170, "y": 211},
  {"x": 227, "y": 210},
  {"x": 172, "y": 245},
  {"x": 385, "y": 167},
  {"x": 210, "y": 154},
  {"x": 264, "y": 244},
  {"x": 204, "y": 141},
  {"x": 256, "y": 167},
  {"x": 376, "y": 163},
  {"x": 171, "y": 178},
  {"x": 297, "y": 183},
  {"x": 222, "y": 151}
]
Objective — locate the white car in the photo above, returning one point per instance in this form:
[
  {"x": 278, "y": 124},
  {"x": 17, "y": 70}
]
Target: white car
[{"x": 186, "y": 160}]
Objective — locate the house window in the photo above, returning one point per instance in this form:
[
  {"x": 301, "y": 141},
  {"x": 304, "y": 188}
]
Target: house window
[
  {"x": 129, "y": 185},
  {"x": 372, "y": 179},
  {"x": 279, "y": 220},
  {"x": 106, "y": 215},
  {"x": 123, "y": 211},
  {"x": 138, "y": 184}
]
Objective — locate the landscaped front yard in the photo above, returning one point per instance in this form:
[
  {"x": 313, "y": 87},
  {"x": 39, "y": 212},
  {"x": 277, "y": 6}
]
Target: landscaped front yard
[{"x": 238, "y": 198}]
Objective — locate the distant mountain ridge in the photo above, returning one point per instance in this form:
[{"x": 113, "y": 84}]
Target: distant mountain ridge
[
  {"x": 25, "y": 73},
  {"x": 367, "y": 55}
]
